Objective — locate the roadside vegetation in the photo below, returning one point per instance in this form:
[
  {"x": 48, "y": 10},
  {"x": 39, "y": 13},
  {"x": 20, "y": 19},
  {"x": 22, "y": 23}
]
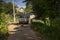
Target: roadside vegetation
[
  {"x": 3, "y": 27},
  {"x": 47, "y": 21},
  {"x": 49, "y": 32},
  {"x": 6, "y": 16}
]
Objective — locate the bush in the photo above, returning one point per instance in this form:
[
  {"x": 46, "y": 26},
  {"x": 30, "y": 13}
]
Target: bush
[
  {"x": 3, "y": 28},
  {"x": 50, "y": 32}
]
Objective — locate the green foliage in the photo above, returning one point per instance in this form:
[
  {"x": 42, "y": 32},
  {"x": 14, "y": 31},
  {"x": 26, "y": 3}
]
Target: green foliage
[
  {"x": 8, "y": 8},
  {"x": 44, "y": 8},
  {"x": 49, "y": 32},
  {"x": 28, "y": 8},
  {"x": 3, "y": 28}
]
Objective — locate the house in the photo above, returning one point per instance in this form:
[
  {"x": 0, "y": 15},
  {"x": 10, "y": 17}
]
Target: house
[{"x": 27, "y": 17}]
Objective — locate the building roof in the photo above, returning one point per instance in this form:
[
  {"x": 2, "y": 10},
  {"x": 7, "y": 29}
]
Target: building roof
[{"x": 27, "y": 15}]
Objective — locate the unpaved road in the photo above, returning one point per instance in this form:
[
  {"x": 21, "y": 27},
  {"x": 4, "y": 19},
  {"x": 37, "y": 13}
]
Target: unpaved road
[{"x": 18, "y": 32}]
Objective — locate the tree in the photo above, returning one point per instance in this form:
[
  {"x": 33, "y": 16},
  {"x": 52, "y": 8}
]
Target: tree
[
  {"x": 8, "y": 8},
  {"x": 45, "y": 8},
  {"x": 28, "y": 8},
  {"x": 50, "y": 9},
  {"x": 3, "y": 28}
]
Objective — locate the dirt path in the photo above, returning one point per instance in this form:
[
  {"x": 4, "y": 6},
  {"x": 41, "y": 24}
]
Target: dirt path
[{"x": 21, "y": 33}]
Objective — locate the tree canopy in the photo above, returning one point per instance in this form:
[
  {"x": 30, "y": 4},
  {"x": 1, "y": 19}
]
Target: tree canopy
[{"x": 45, "y": 7}]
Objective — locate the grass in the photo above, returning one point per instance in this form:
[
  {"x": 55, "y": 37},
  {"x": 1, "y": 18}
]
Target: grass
[{"x": 51, "y": 33}]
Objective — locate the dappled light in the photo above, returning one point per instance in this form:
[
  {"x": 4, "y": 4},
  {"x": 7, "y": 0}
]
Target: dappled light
[
  {"x": 29, "y": 19},
  {"x": 21, "y": 32}
]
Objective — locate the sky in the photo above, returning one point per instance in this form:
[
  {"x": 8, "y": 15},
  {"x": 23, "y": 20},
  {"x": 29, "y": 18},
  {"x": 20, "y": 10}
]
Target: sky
[{"x": 19, "y": 3}]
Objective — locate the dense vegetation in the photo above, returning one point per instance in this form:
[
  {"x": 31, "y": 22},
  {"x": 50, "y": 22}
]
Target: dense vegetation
[
  {"x": 48, "y": 11},
  {"x": 47, "y": 21},
  {"x": 6, "y": 12}
]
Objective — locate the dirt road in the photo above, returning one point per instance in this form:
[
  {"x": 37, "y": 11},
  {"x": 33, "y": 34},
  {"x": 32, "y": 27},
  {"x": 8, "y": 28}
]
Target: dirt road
[{"x": 18, "y": 32}]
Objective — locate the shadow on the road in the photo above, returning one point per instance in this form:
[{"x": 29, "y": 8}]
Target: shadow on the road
[{"x": 22, "y": 32}]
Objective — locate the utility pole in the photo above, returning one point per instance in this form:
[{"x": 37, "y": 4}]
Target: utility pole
[{"x": 13, "y": 11}]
